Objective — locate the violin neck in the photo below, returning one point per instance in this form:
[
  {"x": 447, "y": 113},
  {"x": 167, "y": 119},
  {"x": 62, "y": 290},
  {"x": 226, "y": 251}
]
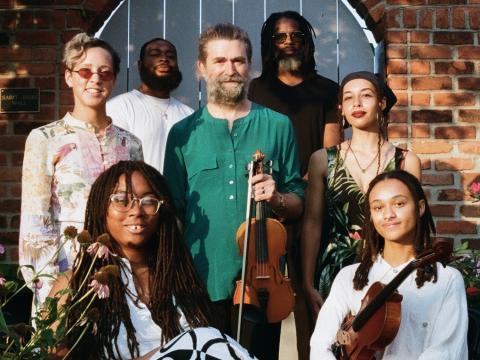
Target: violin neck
[
  {"x": 364, "y": 315},
  {"x": 261, "y": 245}
]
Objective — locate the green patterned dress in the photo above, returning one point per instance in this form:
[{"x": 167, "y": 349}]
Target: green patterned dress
[{"x": 344, "y": 218}]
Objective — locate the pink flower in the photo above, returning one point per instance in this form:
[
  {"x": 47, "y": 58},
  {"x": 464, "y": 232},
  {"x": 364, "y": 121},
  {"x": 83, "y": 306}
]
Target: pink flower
[
  {"x": 2, "y": 281},
  {"x": 2, "y": 249},
  {"x": 355, "y": 236},
  {"x": 100, "y": 250},
  {"x": 475, "y": 188},
  {"x": 103, "y": 291}
]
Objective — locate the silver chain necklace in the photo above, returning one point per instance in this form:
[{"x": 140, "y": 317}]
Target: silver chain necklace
[{"x": 358, "y": 162}]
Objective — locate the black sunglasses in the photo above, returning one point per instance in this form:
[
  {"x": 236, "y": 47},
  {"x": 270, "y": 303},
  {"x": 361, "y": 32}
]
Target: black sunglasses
[{"x": 295, "y": 36}]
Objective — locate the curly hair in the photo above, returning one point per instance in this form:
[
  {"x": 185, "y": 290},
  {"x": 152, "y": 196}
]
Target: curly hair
[
  {"x": 80, "y": 43},
  {"x": 269, "y": 50},
  {"x": 374, "y": 242},
  {"x": 173, "y": 280}
]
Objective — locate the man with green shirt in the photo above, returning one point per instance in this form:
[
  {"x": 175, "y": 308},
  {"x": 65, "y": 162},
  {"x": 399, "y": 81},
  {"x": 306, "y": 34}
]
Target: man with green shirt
[{"x": 206, "y": 168}]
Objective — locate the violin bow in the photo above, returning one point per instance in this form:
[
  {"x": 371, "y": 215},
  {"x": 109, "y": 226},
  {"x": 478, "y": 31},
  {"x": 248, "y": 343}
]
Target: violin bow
[{"x": 245, "y": 248}]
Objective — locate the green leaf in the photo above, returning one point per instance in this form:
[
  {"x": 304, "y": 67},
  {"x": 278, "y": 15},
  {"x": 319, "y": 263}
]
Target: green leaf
[{"x": 3, "y": 323}]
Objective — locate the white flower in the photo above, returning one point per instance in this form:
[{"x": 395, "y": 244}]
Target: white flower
[{"x": 103, "y": 291}]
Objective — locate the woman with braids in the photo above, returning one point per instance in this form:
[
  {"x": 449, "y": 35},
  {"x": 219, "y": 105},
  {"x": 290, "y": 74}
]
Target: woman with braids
[
  {"x": 434, "y": 318},
  {"x": 158, "y": 294},
  {"x": 338, "y": 179},
  {"x": 63, "y": 159}
]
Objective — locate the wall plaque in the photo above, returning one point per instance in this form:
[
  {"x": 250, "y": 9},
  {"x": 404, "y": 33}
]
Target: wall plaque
[{"x": 14, "y": 100}]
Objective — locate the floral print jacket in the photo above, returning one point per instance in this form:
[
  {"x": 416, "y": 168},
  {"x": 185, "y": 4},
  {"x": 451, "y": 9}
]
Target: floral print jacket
[{"x": 61, "y": 162}]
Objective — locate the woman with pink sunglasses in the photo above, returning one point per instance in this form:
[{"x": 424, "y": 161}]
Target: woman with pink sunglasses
[{"x": 62, "y": 160}]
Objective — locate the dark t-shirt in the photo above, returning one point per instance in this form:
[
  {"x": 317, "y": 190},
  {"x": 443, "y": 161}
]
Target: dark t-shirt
[{"x": 309, "y": 105}]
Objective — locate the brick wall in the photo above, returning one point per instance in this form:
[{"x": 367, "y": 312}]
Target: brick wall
[{"x": 433, "y": 65}]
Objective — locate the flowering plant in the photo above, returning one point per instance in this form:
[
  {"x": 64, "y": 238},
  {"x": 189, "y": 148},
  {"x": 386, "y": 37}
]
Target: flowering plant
[
  {"x": 467, "y": 261},
  {"x": 475, "y": 191},
  {"x": 51, "y": 330}
]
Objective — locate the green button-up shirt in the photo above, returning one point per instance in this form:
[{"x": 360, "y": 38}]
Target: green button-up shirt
[{"x": 206, "y": 170}]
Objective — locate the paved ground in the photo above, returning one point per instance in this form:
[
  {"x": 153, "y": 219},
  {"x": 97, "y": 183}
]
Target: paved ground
[{"x": 288, "y": 341}]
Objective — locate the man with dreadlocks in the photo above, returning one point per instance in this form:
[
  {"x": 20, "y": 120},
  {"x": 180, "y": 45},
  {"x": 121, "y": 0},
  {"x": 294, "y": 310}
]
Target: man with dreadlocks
[
  {"x": 433, "y": 319},
  {"x": 205, "y": 166},
  {"x": 290, "y": 85}
]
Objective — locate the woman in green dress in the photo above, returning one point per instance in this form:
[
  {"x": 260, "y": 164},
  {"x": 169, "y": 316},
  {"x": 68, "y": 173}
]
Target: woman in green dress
[{"x": 338, "y": 179}]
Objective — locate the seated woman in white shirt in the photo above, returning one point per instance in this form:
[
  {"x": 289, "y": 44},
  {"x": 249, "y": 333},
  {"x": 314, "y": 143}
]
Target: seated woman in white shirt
[
  {"x": 158, "y": 294},
  {"x": 434, "y": 318}
]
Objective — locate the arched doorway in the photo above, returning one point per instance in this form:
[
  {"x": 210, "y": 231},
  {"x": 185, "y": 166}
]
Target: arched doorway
[{"x": 341, "y": 44}]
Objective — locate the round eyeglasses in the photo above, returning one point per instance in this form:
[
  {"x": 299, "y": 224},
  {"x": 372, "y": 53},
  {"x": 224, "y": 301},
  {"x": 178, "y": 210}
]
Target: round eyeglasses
[
  {"x": 86, "y": 73},
  {"x": 122, "y": 202},
  {"x": 295, "y": 37}
]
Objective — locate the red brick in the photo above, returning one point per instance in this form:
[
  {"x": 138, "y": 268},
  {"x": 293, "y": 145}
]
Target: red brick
[
  {"x": 15, "y": 222},
  {"x": 24, "y": 127},
  {"x": 420, "y": 37},
  {"x": 455, "y": 132},
  {"x": 447, "y": 2},
  {"x": 431, "y": 147},
  {"x": 397, "y": 67},
  {"x": 46, "y": 83},
  {"x": 432, "y": 116},
  {"x": 454, "y": 99},
  {"x": 76, "y": 20},
  {"x": 437, "y": 179},
  {"x": 420, "y": 99},
  {"x": 66, "y": 98},
  {"x": 458, "y": 18},
  {"x": 420, "y": 131},
  {"x": 377, "y": 13},
  {"x": 46, "y": 113},
  {"x": 469, "y": 115},
  {"x": 8, "y": 174},
  {"x": 17, "y": 159},
  {"x": 9, "y": 238},
  {"x": 398, "y": 82},
  {"x": 68, "y": 35},
  {"x": 454, "y": 67},
  {"x": 12, "y": 142},
  {"x": 34, "y": 69},
  {"x": 469, "y": 83},
  {"x": 431, "y": 83},
  {"x": 397, "y": 131},
  {"x": 9, "y": 206},
  {"x": 36, "y": 38},
  {"x": 453, "y": 37},
  {"x": 393, "y": 18},
  {"x": 454, "y": 164},
  {"x": 396, "y": 37},
  {"x": 409, "y": 18},
  {"x": 402, "y": 98},
  {"x": 14, "y": 82},
  {"x": 456, "y": 227},
  {"x": 426, "y": 164},
  {"x": 451, "y": 195},
  {"x": 431, "y": 52},
  {"x": 398, "y": 116},
  {"x": 469, "y": 147},
  {"x": 16, "y": 54},
  {"x": 439, "y": 210},
  {"x": 470, "y": 210},
  {"x": 16, "y": 189},
  {"x": 405, "y": 2},
  {"x": 469, "y": 52},
  {"x": 419, "y": 67},
  {"x": 474, "y": 16},
  {"x": 396, "y": 52},
  {"x": 441, "y": 18},
  {"x": 44, "y": 54},
  {"x": 59, "y": 17},
  {"x": 426, "y": 18}
]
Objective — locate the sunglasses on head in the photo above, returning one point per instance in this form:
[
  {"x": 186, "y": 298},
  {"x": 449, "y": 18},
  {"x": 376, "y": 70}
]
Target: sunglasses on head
[
  {"x": 295, "y": 36},
  {"x": 86, "y": 73}
]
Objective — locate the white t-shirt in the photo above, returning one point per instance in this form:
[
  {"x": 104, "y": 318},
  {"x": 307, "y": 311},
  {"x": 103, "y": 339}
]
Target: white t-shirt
[
  {"x": 150, "y": 119},
  {"x": 147, "y": 332},
  {"x": 434, "y": 318}
]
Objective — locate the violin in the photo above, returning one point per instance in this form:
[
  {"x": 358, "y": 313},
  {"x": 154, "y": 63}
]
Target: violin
[
  {"x": 378, "y": 320},
  {"x": 266, "y": 293}
]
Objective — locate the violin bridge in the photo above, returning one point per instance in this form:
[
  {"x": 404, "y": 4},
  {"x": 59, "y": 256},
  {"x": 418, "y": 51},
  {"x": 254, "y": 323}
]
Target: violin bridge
[
  {"x": 343, "y": 337},
  {"x": 262, "y": 277}
]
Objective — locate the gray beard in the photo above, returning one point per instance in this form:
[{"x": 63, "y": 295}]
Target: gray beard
[
  {"x": 217, "y": 94},
  {"x": 289, "y": 64}
]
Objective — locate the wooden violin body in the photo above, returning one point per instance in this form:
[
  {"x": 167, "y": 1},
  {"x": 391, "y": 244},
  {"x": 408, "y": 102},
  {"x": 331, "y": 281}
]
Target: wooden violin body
[
  {"x": 378, "y": 320},
  {"x": 378, "y": 331},
  {"x": 266, "y": 287}
]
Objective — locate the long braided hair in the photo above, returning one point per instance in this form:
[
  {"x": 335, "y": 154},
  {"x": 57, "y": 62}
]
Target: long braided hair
[
  {"x": 172, "y": 276},
  {"x": 374, "y": 242},
  {"x": 269, "y": 50}
]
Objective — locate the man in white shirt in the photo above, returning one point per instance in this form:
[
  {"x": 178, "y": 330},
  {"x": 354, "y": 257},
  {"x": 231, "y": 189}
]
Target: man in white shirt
[{"x": 150, "y": 111}]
